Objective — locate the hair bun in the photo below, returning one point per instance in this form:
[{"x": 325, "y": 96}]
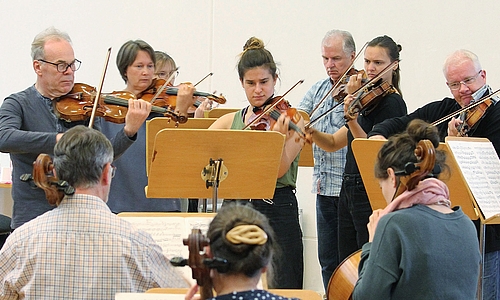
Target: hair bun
[
  {"x": 420, "y": 130},
  {"x": 399, "y": 47},
  {"x": 253, "y": 43}
]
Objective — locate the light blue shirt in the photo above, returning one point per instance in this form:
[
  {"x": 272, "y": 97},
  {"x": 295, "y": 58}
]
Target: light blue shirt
[{"x": 328, "y": 166}]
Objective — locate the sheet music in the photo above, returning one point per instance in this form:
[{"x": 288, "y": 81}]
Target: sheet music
[
  {"x": 480, "y": 166},
  {"x": 169, "y": 232}
]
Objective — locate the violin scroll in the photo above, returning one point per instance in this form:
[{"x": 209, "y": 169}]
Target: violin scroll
[
  {"x": 416, "y": 172},
  {"x": 198, "y": 262},
  {"x": 44, "y": 178}
]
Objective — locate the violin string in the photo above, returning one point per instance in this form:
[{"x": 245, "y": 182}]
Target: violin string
[
  {"x": 468, "y": 107},
  {"x": 338, "y": 81},
  {"x": 99, "y": 89},
  {"x": 272, "y": 106}
]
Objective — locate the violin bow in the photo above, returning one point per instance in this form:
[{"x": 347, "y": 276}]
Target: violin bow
[
  {"x": 162, "y": 88},
  {"x": 371, "y": 81},
  {"x": 201, "y": 80},
  {"x": 472, "y": 105},
  {"x": 338, "y": 81},
  {"x": 99, "y": 89},
  {"x": 272, "y": 106}
]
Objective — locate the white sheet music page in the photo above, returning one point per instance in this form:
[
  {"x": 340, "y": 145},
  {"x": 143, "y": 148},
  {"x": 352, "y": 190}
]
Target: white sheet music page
[
  {"x": 169, "y": 232},
  {"x": 480, "y": 167}
]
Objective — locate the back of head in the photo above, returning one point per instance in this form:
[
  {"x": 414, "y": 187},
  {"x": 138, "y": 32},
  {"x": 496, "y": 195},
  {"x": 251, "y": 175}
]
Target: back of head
[
  {"x": 400, "y": 148},
  {"x": 80, "y": 156},
  {"x": 243, "y": 257},
  {"x": 348, "y": 44},
  {"x": 255, "y": 55},
  {"x": 51, "y": 33},
  {"x": 128, "y": 52},
  {"x": 393, "y": 50}
]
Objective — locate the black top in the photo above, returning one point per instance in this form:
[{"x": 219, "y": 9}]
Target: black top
[
  {"x": 390, "y": 106},
  {"x": 436, "y": 110}
]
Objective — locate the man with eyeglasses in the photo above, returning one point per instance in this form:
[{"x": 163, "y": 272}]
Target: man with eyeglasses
[
  {"x": 81, "y": 250},
  {"x": 30, "y": 126},
  {"x": 467, "y": 83}
]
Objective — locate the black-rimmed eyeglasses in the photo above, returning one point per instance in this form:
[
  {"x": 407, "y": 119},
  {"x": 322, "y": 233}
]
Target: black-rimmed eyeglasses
[{"x": 63, "y": 66}]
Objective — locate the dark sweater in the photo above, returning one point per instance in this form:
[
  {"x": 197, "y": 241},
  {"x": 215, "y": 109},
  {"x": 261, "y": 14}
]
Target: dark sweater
[{"x": 28, "y": 127}]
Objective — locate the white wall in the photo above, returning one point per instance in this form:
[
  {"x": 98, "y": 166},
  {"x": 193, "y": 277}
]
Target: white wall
[{"x": 206, "y": 36}]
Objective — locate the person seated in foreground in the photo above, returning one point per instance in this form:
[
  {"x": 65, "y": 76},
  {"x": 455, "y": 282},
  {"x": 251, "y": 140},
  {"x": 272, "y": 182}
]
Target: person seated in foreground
[
  {"x": 420, "y": 247},
  {"x": 243, "y": 237},
  {"x": 80, "y": 249}
]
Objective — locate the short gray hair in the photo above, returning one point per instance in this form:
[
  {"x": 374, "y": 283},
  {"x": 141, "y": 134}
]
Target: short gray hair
[
  {"x": 80, "y": 156},
  {"x": 461, "y": 55},
  {"x": 51, "y": 33},
  {"x": 348, "y": 44}
]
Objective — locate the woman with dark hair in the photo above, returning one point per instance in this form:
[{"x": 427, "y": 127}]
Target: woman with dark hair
[
  {"x": 136, "y": 61},
  {"x": 419, "y": 246},
  {"x": 243, "y": 238},
  {"x": 258, "y": 75},
  {"x": 354, "y": 207}
]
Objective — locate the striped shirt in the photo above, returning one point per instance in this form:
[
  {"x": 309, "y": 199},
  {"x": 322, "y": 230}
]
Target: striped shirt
[
  {"x": 80, "y": 250},
  {"x": 328, "y": 166}
]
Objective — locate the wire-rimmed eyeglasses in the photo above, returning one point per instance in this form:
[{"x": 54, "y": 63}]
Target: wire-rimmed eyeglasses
[{"x": 467, "y": 81}]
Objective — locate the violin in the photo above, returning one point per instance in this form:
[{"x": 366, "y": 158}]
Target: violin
[
  {"x": 473, "y": 116},
  {"x": 121, "y": 99},
  {"x": 339, "y": 93},
  {"x": 363, "y": 89},
  {"x": 168, "y": 97},
  {"x": 342, "y": 80},
  {"x": 268, "y": 120},
  {"x": 476, "y": 112},
  {"x": 43, "y": 177},
  {"x": 272, "y": 114},
  {"x": 370, "y": 95},
  {"x": 77, "y": 105}
]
